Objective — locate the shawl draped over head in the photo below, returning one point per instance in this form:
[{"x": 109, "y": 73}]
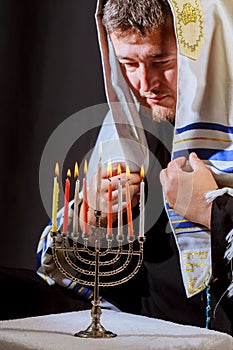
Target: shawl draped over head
[
  {"x": 204, "y": 124},
  {"x": 204, "y": 115}
]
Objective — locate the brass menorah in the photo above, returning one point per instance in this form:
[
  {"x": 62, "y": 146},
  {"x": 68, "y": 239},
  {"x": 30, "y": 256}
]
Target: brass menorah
[{"x": 97, "y": 266}]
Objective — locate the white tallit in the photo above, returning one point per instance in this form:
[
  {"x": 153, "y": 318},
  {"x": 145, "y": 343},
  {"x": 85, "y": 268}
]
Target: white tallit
[{"x": 204, "y": 117}]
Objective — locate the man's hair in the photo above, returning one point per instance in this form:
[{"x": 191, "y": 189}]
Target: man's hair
[{"x": 140, "y": 16}]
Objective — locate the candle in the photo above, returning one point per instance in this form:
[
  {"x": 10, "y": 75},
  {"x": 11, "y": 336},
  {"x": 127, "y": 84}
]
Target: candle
[
  {"x": 66, "y": 203},
  {"x": 55, "y": 199},
  {"x": 142, "y": 204},
  {"x": 119, "y": 213},
  {"x": 99, "y": 179},
  {"x": 85, "y": 202},
  {"x": 76, "y": 199},
  {"x": 109, "y": 225},
  {"x": 128, "y": 203}
]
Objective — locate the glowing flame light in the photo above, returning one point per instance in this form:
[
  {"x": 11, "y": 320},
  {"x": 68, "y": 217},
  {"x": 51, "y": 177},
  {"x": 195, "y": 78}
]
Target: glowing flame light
[
  {"x": 109, "y": 169},
  {"x": 57, "y": 169},
  {"x": 142, "y": 173},
  {"x": 85, "y": 167},
  {"x": 119, "y": 169},
  {"x": 76, "y": 172},
  {"x": 127, "y": 172}
]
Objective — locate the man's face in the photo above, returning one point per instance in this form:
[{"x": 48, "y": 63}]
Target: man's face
[{"x": 149, "y": 64}]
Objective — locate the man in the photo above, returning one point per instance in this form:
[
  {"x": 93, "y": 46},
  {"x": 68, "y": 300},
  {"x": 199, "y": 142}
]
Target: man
[
  {"x": 148, "y": 60},
  {"x": 141, "y": 41}
]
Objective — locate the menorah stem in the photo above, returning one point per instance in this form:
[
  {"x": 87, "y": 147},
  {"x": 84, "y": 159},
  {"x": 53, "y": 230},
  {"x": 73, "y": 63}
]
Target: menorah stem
[
  {"x": 96, "y": 330},
  {"x": 96, "y": 285}
]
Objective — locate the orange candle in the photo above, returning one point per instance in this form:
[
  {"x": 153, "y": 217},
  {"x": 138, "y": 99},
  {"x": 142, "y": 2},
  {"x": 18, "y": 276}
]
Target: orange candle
[
  {"x": 85, "y": 202},
  {"x": 128, "y": 203},
  {"x": 66, "y": 203},
  {"x": 109, "y": 226}
]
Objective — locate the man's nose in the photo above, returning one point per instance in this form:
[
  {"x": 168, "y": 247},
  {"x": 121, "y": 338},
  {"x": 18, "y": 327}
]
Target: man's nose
[{"x": 149, "y": 78}]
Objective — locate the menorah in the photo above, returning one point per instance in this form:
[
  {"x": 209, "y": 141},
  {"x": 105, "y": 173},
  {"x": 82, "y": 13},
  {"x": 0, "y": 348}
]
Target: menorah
[
  {"x": 97, "y": 266},
  {"x": 97, "y": 258}
]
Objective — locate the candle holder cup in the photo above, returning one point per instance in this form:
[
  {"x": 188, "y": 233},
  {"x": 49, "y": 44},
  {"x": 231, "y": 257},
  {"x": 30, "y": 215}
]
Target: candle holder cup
[{"x": 96, "y": 266}]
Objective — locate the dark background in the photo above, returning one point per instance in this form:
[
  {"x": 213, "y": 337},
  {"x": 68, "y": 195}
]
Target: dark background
[{"x": 50, "y": 69}]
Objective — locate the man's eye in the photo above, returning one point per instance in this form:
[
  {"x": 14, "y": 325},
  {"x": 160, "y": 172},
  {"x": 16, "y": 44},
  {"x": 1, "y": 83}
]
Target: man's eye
[
  {"x": 130, "y": 66},
  {"x": 162, "y": 63}
]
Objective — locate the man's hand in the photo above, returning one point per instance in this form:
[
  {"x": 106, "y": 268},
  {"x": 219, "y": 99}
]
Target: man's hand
[
  {"x": 134, "y": 181},
  {"x": 185, "y": 190}
]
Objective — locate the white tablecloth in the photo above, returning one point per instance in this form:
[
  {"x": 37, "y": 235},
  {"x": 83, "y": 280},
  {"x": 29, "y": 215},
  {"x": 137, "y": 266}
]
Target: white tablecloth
[{"x": 55, "y": 332}]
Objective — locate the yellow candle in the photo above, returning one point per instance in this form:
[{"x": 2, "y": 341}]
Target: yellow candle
[{"x": 55, "y": 199}]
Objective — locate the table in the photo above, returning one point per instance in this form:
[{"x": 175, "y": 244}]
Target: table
[{"x": 55, "y": 332}]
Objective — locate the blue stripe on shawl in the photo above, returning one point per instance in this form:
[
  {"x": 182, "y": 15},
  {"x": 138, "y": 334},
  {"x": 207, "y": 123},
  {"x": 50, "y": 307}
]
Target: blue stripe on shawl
[
  {"x": 206, "y": 126},
  {"x": 185, "y": 224},
  {"x": 38, "y": 259},
  {"x": 45, "y": 243},
  {"x": 83, "y": 291},
  {"x": 210, "y": 154}
]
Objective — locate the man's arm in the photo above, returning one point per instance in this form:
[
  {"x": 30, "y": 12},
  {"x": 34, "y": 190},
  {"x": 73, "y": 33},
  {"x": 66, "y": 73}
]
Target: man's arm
[
  {"x": 185, "y": 190},
  {"x": 185, "y": 193}
]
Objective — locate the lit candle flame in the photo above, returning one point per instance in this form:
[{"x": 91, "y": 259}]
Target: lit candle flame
[
  {"x": 85, "y": 167},
  {"x": 57, "y": 170},
  {"x": 127, "y": 172},
  {"x": 109, "y": 169},
  {"x": 76, "y": 170},
  {"x": 142, "y": 173},
  {"x": 68, "y": 174},
  {"x": 119, "y": 169}
]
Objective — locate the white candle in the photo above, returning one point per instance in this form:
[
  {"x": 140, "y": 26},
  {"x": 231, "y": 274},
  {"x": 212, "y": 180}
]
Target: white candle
[
  {"x": 142, "y": 205},
  {"x": 128, "y": 203},
  {"x": 99, "y": 179},
  {"x": 76, "y": 200},
  {"x": 109, "y": 223},
  {"x": 119, "y": 213}
]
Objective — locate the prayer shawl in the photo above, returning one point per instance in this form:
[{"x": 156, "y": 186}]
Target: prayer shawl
[
  {"x": 204, "y": 124},
  {"x": 204, "y": 116}
]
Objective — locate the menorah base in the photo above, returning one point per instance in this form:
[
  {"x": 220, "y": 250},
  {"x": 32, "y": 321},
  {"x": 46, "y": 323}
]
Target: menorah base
[
  {"x": 104, "y": 262},
  {"x": 95, "y": 330}
]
